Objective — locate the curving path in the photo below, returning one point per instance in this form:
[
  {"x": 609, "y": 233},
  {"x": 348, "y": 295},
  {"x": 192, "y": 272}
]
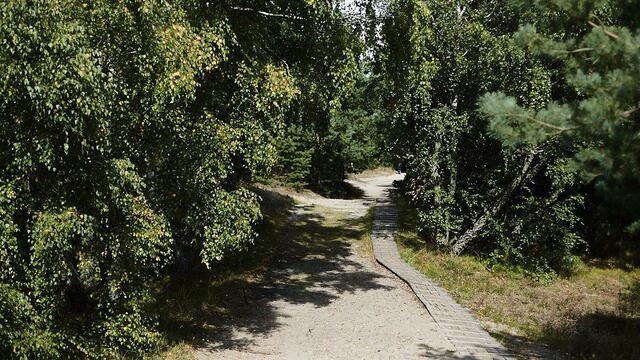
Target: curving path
[{"x": 324, "y": 299}]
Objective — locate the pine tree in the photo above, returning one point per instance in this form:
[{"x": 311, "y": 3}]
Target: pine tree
[{"x": 600, "y": 114}]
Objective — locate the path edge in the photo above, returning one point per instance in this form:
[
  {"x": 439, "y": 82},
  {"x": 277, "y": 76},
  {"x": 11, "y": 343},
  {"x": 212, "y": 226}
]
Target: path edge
[{"x": 458, "y": 324}]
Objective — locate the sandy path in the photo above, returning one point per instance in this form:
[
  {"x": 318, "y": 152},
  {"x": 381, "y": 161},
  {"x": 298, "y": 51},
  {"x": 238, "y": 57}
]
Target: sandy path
[{"x": 325, "y": 301}]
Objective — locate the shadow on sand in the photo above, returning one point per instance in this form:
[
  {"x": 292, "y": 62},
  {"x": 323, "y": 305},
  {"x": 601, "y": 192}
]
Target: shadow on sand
[
  {"x": 338, "y": 190},
  {"x": 309, "y": 264}
]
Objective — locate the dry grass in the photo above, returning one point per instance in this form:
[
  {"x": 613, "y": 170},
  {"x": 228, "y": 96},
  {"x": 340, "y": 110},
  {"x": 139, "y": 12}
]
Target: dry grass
[
  {"x": 365, "y": 246},
  {"x": 180, "y": 351},
  {"x": 287, "y": 190},
  {"x": 592, "y": 314}
]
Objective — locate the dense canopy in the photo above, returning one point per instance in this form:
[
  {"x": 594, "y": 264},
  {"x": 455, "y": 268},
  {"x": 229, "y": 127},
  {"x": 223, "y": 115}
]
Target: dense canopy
[{"x": 132, "y": 132}]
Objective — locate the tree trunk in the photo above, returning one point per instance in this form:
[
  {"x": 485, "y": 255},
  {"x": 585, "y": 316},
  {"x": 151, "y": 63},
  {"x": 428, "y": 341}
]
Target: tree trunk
[{"x": 461, "y": 242}]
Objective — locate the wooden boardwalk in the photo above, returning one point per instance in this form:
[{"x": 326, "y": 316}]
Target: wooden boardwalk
[{"x": 458, "y": 325}]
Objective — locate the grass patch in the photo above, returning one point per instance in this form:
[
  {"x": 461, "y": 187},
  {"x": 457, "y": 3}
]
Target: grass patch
[
  {"x": 177, "y": 351},
  {"x": 365, "y": 246},
  {"x": 594, "y": 313}
]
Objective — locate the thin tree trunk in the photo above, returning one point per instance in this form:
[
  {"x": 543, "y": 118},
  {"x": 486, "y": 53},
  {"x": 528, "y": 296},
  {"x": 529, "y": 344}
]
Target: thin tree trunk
[{"x": 526, "y": 173}]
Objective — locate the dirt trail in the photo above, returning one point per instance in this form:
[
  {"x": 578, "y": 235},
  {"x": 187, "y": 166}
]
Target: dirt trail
[{"x": 324, "y": 300}]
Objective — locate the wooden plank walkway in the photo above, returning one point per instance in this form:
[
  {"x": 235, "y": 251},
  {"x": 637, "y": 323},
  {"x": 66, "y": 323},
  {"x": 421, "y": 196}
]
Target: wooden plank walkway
[{"x": 459, "y": 326}]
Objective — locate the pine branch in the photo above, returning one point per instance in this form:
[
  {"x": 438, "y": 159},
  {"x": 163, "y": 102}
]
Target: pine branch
[
  {"x": 575, "y": 51},
  {"x": 607, "y": 32},
  {"x": 560, "y": 129}
]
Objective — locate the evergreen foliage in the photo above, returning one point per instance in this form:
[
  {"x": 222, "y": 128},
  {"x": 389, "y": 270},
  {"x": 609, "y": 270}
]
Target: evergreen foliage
[
  {"x": 516, "y": 123},
  {"x": 600, "y": 57},
  {"x": 439, "y": 58}
]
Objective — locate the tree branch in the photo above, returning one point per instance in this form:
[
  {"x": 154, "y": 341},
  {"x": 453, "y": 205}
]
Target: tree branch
[
  {"x": 607, "y": 32},
  {"x": 269, "y": 14},
  {"x": 630, "y": 112},
  {"x": 575, "y": 51},
  {"x": 541, "y": 123}
]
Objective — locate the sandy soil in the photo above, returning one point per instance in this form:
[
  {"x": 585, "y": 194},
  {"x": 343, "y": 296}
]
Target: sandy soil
[{"x": 325, "y": 301}]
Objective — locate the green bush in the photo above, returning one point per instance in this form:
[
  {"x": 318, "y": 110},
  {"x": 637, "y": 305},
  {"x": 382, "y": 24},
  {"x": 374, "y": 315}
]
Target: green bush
[
  {"x": 517, "y": 205},
  {"x": 128, "y": 140}
]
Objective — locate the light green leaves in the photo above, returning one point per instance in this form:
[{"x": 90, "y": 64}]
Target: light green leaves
[
  {"x": 130, "y": 130},
  {"x": 56, "y": 237},
  {"x": 228, "y": 220}
]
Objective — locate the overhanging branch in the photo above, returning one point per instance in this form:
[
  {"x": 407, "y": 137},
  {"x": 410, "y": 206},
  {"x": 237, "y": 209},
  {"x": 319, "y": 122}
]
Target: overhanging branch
[{"x": 266, "y": 13}]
